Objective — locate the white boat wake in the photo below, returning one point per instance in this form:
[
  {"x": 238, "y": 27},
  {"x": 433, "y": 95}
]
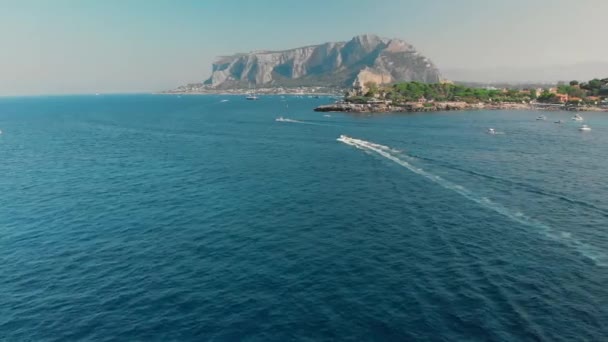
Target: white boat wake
[
  {"x": 283, "y": 119},
  {"x": 591, "y": 252}
]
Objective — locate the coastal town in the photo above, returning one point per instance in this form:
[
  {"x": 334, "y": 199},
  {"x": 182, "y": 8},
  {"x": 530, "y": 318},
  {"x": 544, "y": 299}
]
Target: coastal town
[{"x": 443, "y": 96}]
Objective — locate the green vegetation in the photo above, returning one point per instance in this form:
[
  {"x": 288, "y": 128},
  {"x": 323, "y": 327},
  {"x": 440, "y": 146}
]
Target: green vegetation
[
  {"x": 547, "y": 97},
  {"x": 404, "y": 92},
  {"x": 585, "y": 92},
  {"x": 415, "y": 91}
]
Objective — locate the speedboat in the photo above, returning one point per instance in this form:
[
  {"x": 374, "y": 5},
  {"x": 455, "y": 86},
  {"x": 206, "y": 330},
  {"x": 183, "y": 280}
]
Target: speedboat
[
  {"x": 559, "y": 122},
  {"x": 280, "y": 119},
  {"x": 327, "y": 116},
  {"x": 251, "y": 98},
  {"x": 491, "y": 131},
  {"x": 541, "y": 118},
  {"x": 577, "y": 117},
  {"x": 584, "y": 128}
]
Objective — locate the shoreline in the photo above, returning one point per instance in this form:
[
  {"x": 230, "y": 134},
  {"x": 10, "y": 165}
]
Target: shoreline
[
  {"x": 245, "y": 93},
  {"x": 413, "y": 107}
]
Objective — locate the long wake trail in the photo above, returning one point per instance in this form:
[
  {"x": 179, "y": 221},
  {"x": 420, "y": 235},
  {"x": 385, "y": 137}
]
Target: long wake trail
[
  {"x": 287, "y": 120},
  {"x": 591, "y": 252}
]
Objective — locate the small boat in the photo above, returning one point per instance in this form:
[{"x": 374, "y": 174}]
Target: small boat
[
  {"x": 224, "y": 100},
  {"x": 584, "y": 128},
  {"x": 559, "y": 122},
  {"x": 491, "y": 131},
  {"x": 252, "y": 96},
  {"x": 541, "y": 118},
  {"x": 577, "y": 117},
  {"x": 327, "y": 116},
  {"x": 282, "y": 119}
]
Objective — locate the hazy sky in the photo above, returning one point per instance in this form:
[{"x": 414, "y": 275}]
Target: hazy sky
[{"x": 80, "y": 46}]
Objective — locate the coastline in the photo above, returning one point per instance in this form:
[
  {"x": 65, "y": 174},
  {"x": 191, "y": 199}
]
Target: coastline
[
  {"x": 308, "y": 91},
  {"x": 414, "y": 107},
  {"x": 245, "y": 93}
]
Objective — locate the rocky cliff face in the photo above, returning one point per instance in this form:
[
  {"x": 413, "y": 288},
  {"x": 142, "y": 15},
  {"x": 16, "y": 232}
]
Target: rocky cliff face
[{"x": 363, "y": 58}]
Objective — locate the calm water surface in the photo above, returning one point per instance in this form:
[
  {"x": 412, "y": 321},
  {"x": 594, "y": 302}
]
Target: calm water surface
[{"x": 160, "y": 218}]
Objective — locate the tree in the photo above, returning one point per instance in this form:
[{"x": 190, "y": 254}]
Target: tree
[
  {"x": 595, "y": 84},
  {"x": 546, "y": 96},
  {"x": 533, "y": 93},
  {"x": 574, "y": 83},
  {"x": 372, "y": 89}
]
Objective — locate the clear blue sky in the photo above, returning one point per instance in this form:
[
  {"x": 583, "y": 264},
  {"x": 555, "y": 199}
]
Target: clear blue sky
[{"x": 80, "y": 46}]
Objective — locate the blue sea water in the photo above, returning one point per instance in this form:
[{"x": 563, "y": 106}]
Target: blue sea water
[{"x": 161, "y": 218}]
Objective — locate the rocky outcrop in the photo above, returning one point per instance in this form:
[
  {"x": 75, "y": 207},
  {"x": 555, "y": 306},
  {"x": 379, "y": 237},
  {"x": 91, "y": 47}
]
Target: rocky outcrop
[{"x": 363, "y": 58}]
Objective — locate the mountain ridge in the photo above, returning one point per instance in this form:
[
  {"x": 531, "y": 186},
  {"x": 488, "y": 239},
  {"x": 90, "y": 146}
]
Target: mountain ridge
[{"x": 364, "y": 58}]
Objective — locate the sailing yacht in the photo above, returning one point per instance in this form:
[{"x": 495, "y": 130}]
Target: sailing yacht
[{"x": 252, "y": 96}]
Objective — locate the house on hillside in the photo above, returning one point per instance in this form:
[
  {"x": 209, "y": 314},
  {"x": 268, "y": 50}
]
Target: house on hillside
[{"x": 563, "y": 98}]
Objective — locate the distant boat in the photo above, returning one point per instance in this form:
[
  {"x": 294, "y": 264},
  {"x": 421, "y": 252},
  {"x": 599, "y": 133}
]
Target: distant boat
[
  {"x": 541, "y": 118},
  {"x": 281, "y": 119},
  {"x": 252, "y": 96},
  {"x": 559, "y": 122},
  {"x": 577, "y": 117},
  {"x": 327, "y": 116},
  {"x": 224, "y": 101},
  {"x": 584, "y": 128},
  {"x": 491, "y": 131}
]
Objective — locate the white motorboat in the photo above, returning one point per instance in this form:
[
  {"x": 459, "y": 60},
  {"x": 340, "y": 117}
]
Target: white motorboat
[
  {"x": 491, "y": 131},
  {"x": 541, "y": 118},
  {"x": 584, "y": 128},
  {"x": 577, "y": 117}
]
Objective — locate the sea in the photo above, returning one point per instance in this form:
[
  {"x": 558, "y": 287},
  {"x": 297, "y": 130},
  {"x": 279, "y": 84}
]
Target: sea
[{"x": 202, "y": 218}]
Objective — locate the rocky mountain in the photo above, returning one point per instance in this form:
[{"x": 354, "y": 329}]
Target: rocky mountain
[{"x": 363, "y": 58}]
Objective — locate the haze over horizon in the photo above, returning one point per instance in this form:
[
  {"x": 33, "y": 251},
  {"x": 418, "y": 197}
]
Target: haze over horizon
[{"x": 136, "y": 46}]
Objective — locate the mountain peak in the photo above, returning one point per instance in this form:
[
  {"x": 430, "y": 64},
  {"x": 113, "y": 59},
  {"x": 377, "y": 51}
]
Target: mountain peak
[{"x": 366, "y": 37}]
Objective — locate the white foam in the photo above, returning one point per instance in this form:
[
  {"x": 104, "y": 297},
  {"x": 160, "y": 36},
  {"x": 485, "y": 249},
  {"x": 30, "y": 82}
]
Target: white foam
[
  {"x": 566, "y": 238},
  {"x": 282, "y": 119}
]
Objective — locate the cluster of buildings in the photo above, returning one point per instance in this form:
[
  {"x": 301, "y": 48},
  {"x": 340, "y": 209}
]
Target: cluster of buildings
[{"x": 561, "y": 98}]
